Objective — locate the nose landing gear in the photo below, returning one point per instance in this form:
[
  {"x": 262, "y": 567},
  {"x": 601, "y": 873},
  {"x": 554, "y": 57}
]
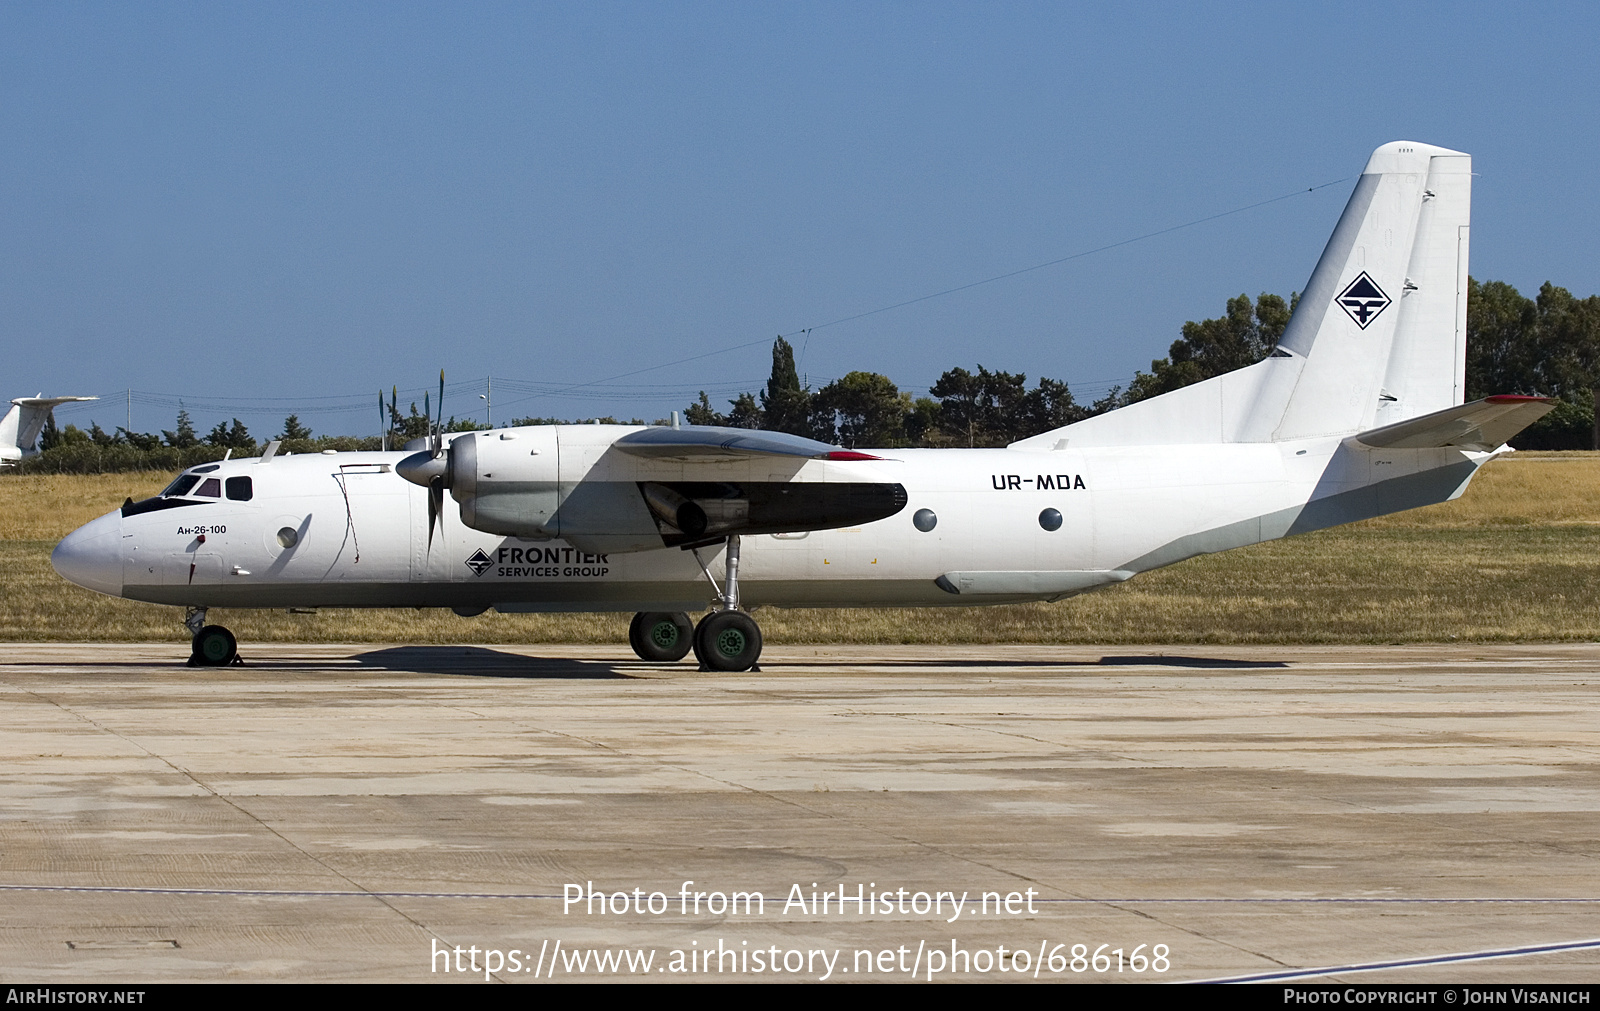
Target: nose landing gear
[{"x": 214, "y": 645}]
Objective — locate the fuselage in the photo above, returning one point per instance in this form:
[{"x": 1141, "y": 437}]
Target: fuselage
[{"x": 979, "y": 526}]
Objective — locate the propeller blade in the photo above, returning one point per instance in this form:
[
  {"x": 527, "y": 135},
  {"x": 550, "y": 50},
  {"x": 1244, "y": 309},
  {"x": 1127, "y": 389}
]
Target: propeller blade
[
  {"x": 435, "y": 507},
  {"x": 438, "y": 430}
]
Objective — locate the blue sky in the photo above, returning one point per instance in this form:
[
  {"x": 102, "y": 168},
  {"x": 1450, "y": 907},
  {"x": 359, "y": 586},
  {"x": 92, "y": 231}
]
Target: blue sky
[{"x": 272, "y": 208}]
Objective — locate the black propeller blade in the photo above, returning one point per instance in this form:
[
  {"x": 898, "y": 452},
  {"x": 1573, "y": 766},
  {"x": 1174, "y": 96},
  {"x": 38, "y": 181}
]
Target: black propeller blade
[{"x": 436, "y": 485}]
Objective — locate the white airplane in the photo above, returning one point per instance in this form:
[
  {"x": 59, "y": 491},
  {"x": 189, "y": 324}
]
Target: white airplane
[
  {"x": 20, "y": 428},
  {"x": 1357, "y": 413}
]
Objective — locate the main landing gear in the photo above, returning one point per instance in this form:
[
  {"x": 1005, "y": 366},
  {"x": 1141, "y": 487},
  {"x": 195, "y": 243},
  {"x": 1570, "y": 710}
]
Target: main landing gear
[
  {"x": 727, "y": 639},
  {"x": 214, "y": 645}
]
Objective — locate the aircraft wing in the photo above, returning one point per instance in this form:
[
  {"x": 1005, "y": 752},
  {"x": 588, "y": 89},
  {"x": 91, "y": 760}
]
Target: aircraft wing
[
  {"x": 708, "y": 440},
  {"x": 1482, "y": 425}
]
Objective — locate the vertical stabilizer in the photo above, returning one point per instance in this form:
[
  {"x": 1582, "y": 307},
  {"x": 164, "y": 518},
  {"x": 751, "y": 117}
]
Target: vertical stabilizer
[
  {"x": 1384, "y": 307},
  {"x": 20, "y": 428}
]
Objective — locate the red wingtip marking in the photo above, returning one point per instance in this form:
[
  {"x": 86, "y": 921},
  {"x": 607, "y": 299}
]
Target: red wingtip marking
[
  {"x": 850, "y": 454},
  {"x": 1518, "y": 398}
]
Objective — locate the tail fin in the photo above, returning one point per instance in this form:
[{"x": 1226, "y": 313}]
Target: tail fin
[
  {"x": 20, "y": 428},
  {"x": 1379, "y": 335}
]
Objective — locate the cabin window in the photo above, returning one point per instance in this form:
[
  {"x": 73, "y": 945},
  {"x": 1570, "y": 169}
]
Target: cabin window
[
  {"x": 239, "y": 489},
  {"x": 210, "y": 488}
]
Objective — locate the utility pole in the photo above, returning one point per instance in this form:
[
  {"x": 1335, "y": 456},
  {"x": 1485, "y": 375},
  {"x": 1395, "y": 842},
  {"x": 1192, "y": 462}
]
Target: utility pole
[{"x": 488, "y": 405}]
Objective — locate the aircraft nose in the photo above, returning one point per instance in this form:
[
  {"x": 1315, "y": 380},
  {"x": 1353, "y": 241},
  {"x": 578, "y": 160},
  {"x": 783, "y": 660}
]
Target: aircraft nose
[{"x": 91, "y": 555}]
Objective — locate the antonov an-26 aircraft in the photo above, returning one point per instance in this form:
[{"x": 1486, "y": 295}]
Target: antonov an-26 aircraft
[{"x": 1357, "y": 413}]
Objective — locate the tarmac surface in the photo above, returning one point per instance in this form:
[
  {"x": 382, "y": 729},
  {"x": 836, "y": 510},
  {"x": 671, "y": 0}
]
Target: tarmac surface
[{"x": 349, "y": 812}]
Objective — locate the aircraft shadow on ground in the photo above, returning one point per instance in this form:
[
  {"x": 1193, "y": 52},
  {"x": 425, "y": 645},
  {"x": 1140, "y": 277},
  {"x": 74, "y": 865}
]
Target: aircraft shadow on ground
[
  {"x": 1186, "y": 661},
  {"x": 477, "y": 661},
  {"x": 1200, "y": 662}
]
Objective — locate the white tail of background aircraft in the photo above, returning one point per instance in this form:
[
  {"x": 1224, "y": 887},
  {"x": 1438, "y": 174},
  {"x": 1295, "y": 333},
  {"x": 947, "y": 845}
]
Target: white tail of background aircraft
[{"x": 20, "y": 428}]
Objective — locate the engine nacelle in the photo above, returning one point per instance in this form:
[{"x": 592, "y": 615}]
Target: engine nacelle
[
  {"x": 511, "y": 482},
  {"x": 572, "y": 482}
]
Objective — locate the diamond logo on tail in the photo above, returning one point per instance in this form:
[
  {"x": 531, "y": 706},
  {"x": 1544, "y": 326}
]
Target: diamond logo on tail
[
  {"x": 1363, "y": 300},
  {"x": 479, "y": 562}
]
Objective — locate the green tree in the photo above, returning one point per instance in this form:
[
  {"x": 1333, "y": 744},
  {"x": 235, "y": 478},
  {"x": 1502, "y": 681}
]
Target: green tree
[
  {"x": 997, "y": 408},
  {"x": 703, "y": 413},
  {"x": 236, "y": 438},
  {"x": 406, "y": 427},
  {"x": 745, "y": 413},
  {"x": 50, "y": 435},
  {"x": 142, "y": 441},
  {"x": 1549, "y": 345},
  {"x": 184, "y": 437},
  {"x": 1244, "y": 335},
  {"x": 866, "y": 408},
  {"x": 1046, "y": 406},
  {"x": 922, "y": 422},
  {"x": 292, "y": 429},
  {"x": 785, "y": 404},
  {"x": 961, "y": 412}
]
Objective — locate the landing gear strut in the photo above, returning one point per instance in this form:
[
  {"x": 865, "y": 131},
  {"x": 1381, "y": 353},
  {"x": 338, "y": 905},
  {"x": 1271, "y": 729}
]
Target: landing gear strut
[
  {"x": 727, "y": 639},
  {"x": 214, "y": 645}
]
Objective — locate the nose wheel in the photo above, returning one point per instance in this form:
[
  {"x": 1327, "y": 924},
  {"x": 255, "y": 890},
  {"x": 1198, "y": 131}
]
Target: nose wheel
[{"x": 214, "y": 645}]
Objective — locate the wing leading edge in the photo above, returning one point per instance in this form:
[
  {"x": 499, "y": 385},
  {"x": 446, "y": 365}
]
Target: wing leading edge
[{"x": 707, "y": 440}]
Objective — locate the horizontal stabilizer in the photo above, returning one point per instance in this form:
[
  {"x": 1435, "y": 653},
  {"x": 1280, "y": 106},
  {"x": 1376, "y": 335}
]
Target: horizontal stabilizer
[
  {"x": 1482, "y": 425},
  {"x": 708, "y": 440},
  {"x": 45, "y": 403}
]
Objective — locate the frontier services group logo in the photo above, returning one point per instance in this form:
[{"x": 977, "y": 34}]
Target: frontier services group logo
[{"x": 1363, "y": 300}]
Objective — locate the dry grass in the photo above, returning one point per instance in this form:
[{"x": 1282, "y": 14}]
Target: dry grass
[
  {"x": 1517, "y": 558},
  {"x": 47, "y": 507}
]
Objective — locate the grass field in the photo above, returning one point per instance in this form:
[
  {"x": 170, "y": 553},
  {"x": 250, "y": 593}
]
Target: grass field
[{"x": 1516, "y": 558}]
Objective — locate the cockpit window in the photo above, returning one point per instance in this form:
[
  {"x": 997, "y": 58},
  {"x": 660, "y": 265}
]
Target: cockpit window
[
  {"x": 181, "y": 485},
  {"x": 211, "y": 488},
  {"x": 239, "y": 489}
]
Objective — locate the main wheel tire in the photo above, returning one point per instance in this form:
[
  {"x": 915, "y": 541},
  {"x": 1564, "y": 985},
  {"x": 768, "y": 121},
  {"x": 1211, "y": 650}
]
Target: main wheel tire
[
  {"x": 661, "y": 636},
  {"x": 215, "y": 646},
  {"x": 728, "y": 641}
]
